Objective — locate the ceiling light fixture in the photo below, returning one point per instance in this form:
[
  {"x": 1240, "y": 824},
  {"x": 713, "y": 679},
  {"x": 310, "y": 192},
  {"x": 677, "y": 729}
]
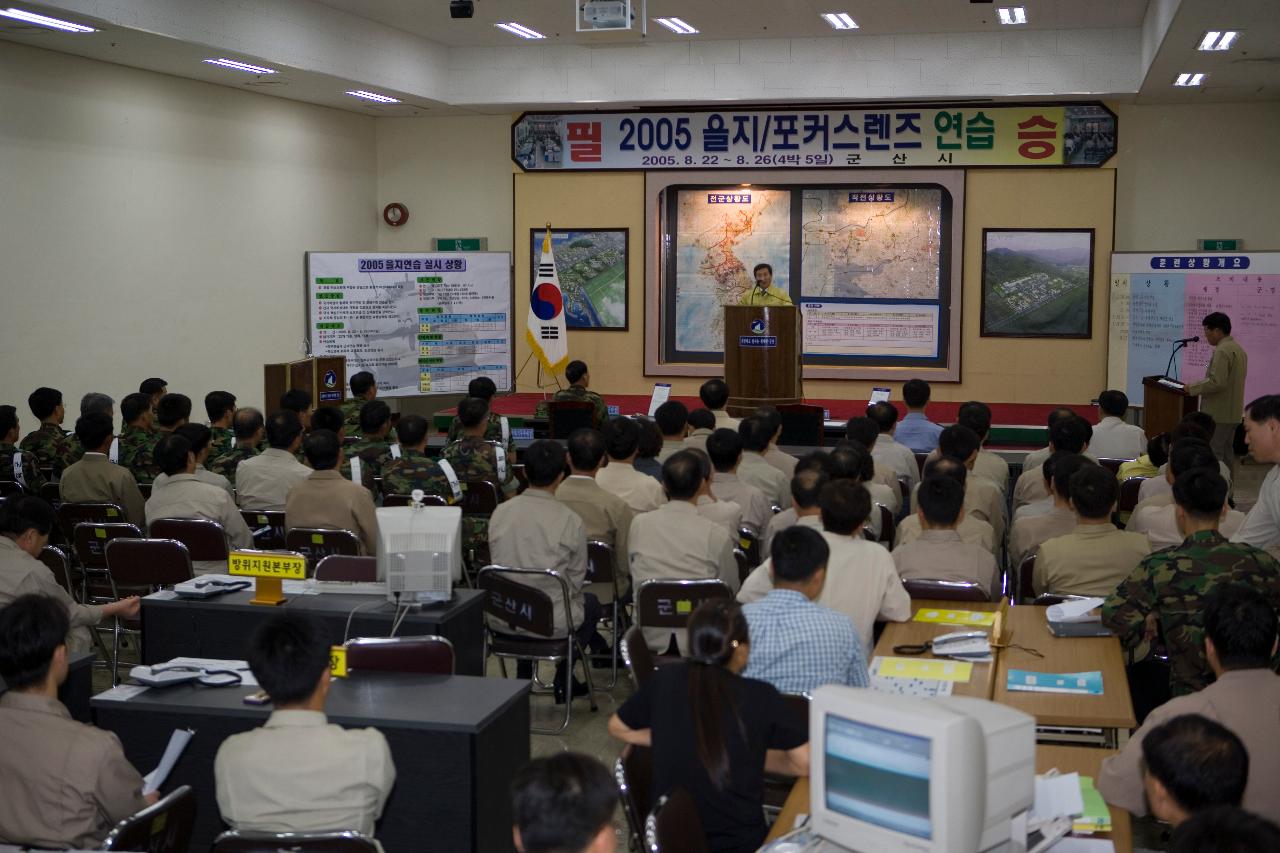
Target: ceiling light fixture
[
  {"x": 520, "y": 30},
  {"x": 45, "y": 21},
  {"x": 1012, "y": 14},
  {"x": 239, "y": 66},
  {"x": 1187, "y": 78},
  {"x": 1218, "y": 40},
  {"x": 840, "y": 20},
  {"x": 677, "y": 26},
  {"x": 373, "y": 96}
]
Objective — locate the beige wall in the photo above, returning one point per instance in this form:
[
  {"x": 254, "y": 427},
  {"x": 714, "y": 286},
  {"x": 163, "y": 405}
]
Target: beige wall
[{"x": 155, "y": 226}]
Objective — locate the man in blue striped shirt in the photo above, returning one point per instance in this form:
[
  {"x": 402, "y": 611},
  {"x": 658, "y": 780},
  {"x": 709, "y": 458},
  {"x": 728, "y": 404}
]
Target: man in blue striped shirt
[{"x": 796, "y": 644}]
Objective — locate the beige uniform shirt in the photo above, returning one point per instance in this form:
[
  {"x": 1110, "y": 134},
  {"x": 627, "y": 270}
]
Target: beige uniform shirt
[
  {"x": 1029, "y": 533},
  {"x": 780, "y": 521},
  {"x": 756, "y": 509},
  {"x": 535, "y": 531},
  {"x": 983, "y": 499},
  {"x": 604, "y": 515},
  {"x": 300, "y": 773},
  {"x": 1160, "y": 525},
  {"x": 97, "y": 478},
  {"x": 698, "y": 439},
  {"x": 897, "y": 456},
  {"x": 1115, "y": 439},
  {"x": 1243, "y": 700},
  {"x": 65, "y": 783},
  {"x": 890, "y": 491},
  {"x": 988, "y": 465},
  {"x": 326, "y": 499},
  {"x": 943, "y": 555},
  {"x": 641, "y": 492},
  {"x": 1092, "y": 560},
  {"x": 972, "y": 529},
  {"x": 724, "y": 421},
  {"x": 674, "y": 542},
  {"x": 204, "y": 476},
  {"x": 783, "y": 461},
  {"x": 669, "y": 447},
  {"x": 264, "y": 481},
  {"x": 727, "y": 513},
  {"x": 1030, "y": 485},
  {"x": 22, "y": 574},
  {"x": 1222, "y": 389},
  {"x": 861, "y": 582},
  {"x": 755, "y": 470},
  {"x": 183, "y": 496}
]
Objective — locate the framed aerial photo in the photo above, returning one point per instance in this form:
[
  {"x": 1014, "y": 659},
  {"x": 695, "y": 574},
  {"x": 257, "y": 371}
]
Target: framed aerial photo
[
  {"x": 592, "y": 265},
  {"x": 1037, "y": 282}
]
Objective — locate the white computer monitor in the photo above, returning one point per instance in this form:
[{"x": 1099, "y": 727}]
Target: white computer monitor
[
  {"x": 419, "y": 552},
  {"x": 897, "y": 773}
]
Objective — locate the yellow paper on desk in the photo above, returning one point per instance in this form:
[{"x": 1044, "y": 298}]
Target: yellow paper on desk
[
  {"x": 942, "y": 670},
  {"x": 953, "y": 617}
]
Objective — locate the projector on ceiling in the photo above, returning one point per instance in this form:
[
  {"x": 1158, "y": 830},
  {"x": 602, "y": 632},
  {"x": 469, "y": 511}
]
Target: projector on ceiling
[
  {"x": 461, "y": 8},
  {"x": 605, "y": 15}
]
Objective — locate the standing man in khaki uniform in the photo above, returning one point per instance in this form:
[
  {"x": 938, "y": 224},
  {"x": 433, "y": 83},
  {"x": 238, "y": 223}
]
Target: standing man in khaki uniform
[
  {"x": 326, "y": 499},
  {"x": 1222, "y": 389},
  {"x": 95, "y": 477}
]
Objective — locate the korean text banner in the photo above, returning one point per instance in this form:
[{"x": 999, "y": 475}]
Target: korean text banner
[{"x": 967, "y": 135}]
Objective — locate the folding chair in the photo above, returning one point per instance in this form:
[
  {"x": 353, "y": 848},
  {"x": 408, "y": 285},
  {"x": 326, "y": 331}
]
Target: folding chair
[
  {"x": 344, "y": 567},
  {"x": 425, "y": 655},
  {"x": 667, "y": 604},
  {"x": 52, "y": 493},
  {"x": 921, "y": 458},
  {"x": 521, "y": 477},
  {"x": 565, "y": 416},
  {"x": 141, "y": 566},
  {"x": 749, "y": 542},
  {"x": 511, "y": 601},
  {"x": 673, "y": 826},
  {"x": 93, "y": 512},
  {"x": 886, "y": 526},
  {"x": 744, "y": 565},
  {"x": 942, "y": 590},
  {"x": 163, "y": 827},
  {"x": 268, "y": 528},
  {"x": 90, "y": 542},
  {"x": 10, "y": 488},
  {"x": 479, "y": 499},
  {"x": 57, "y": 561},
  {"x": 633, "y": 773},
  {"x": 637, "y": 657},
  {"x": 205, "y": 539},
  {"x": 1129, "y": 494},
  {"x": 316, "y": 543},
  {"x": 235, "y": 841},
  {"x": 1026, "y": 569},
  {"x": 1112, "y": 465},
  {"x": 802, "y": 425},
  {"x": 601, "y": 568}
]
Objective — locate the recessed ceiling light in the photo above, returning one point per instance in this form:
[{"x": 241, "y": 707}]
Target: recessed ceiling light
[
  {"x": 677, "y": 26},
  {"x": 240, "y": 66},
  {"x": 840, "y": 20},
  {"x": 45, "y": 21},
  {"x": 1012, "y": 14},
  {"x": 1218, "y": 40},
  {"x": 373, "y": 96},
  {"x": 520, "y": 30},
  {"x": 1187, "y": 78}
]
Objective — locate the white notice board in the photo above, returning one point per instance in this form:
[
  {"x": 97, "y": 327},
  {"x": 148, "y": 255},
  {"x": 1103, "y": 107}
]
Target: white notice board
[{"x": 421, "y": 322}]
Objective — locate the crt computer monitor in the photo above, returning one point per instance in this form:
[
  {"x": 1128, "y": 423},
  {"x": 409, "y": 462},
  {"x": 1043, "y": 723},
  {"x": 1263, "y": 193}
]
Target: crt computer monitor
[
  {"x": 419, "y": 552},
  {"x": 896, "y": 773}
]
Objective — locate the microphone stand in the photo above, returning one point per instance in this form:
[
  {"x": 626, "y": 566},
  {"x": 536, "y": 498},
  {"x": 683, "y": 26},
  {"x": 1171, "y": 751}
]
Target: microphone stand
[{"x": 1176, "y": 347}]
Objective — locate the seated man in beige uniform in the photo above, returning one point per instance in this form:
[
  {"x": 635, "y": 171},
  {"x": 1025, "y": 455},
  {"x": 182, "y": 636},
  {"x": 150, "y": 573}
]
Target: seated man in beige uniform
[
  {"x": 1030, "y": 532},
  {"x": 264, "y": 482},
  {"x": 672, "y": 418},
  {"x": 940, "y": 553},
  {"x": 755, "y": 470},
  {"x": 620, "y": 477},
  {"x": 804, "y": 495},
  {"x": 1156, "y": 517},
  {"x": 851, "y": 461},
  {"x": 1240, "y": 643},
  {"x": 702, "y": 422},
  {"x": 65, "y": 783},
  {"x": 328, "y": 500},
  {"x": 1068, "y": 432},
  {"x": 299, "y": 772},
  {"x": 1095, "y": 557},
  {"x": 982, "y": 497},
  {"x": 724, "y": 447},
  {"x": 778, "y": 458},
  {"x": 183, "y": 496},
  {"x": 199, "y": 436},
  {"x": 727, "y": 513},
  {"x": 714, "y": 394},
  {"x": 865, "y": 432},
  {"x": 674, "y": 542},
  {"x": 605, "y": 516},
  {"x": 971, "y": 528},
  {"x": 25, "y": 524},
  {"x": 95, "y": 477}
]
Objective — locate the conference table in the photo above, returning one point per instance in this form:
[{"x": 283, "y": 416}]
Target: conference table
[
  {"x": 456, "y": 741},
  {"x": 220, "y": 627},
  {"x": 76, "y": 690}
]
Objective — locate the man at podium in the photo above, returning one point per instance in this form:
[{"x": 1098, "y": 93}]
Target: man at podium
[
  {"x": 765, "y": 292},
  {"x": 1222, "y": 389}
]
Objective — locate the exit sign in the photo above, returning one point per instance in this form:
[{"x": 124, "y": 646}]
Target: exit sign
[
  {"x": 1220, "y": 245},
  {"x": 461, "y": 244}
]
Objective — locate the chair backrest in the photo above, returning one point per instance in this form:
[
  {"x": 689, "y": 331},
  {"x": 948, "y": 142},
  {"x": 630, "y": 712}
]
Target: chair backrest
[
  {"x": 344, "y": 567},
  {"x": 521, "y": 476},
  {"x": 1112, "y": 465},
  {"x": 802, "y": 424},
  {"x": 163, "y": 827},
  {"x": 58, "y": 562},
  {"x": 886, "y": 525},
  {"x": 633, "y": 773},
  {"x": 148, "y": 562},
  {"x": 602, "y": 564},
  {"x": 1129, "y": 494},
  {"x": 479, "y": 497},
  {"x": 565, "y": 416},
  {"x": 946, "y": 590},
  {"x": 637, "y": 657},
  {"x": 95, "y": 512},
  {"x": 669, "y": 603},
  {"x": 268, "y": 527},
  {"x": 1026, "y": 569},
  {"x": 10, "y": 487},
  {"x": 426, "y": 655},
  {"x": 205, "y": 539},
  {"x": 145, "y": 489},
  {"x": 316, "y": 543},
  {"x": 749, "y": 542},
  {"x": 407, "y": 500},
  {"x": 744, "y": 564},
  {"x": 90, "y": 541},
  {"x": 673, "y": 826},
  {"x": 921, "y": 458},
  {"x": 512, "y": 601},
  {"x": 51, "y": 492},
  {"x": 236, "y": 841}
]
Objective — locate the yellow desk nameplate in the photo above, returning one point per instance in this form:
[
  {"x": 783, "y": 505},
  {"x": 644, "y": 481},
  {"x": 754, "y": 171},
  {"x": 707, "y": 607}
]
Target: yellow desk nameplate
[
  {"x": 338, "y": 661},
  {"x": 270, "y": 569},
  {"x": 943, "y": 670},
  {"x": 954, "y": 617}
]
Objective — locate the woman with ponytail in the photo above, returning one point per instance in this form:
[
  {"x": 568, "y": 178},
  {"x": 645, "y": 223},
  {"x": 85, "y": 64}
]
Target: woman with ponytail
[{"x": 715, "y": 733}]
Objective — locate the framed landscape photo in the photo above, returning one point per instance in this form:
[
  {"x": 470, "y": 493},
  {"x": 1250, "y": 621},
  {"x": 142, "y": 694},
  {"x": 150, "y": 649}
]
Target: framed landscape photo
[
  {"x": 1037, "y": 282},
  {"x": 592, "y": 265}
]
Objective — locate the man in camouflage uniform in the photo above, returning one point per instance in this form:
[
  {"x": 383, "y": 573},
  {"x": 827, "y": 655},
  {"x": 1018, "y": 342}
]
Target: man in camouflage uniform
[
  {"x": 248, "y": 428},
  {"x": 473, "y": 458},
  {"x": 137, "y": 439},
  {"x": 579, "y": 378},
  {"x": 373, "y": 448},
  {"x": 364, "y": 387},
  {"x": 29, "y": 477},
  {"x": 330, "y": 418},
  {"x": 495, "y": 427},
  {"x": 1164, "y": 595},
  {"x": 49, "y": 445},
  {"x": 220, "y": 406},
  {"x": 414, "y": 469}
]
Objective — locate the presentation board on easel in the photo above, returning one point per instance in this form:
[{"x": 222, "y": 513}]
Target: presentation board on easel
[
  {"x": 1158, "y": 298},
  {"x": 421, "y": 322}
]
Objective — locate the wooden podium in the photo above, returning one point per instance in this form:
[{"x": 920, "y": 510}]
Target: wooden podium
[
  {"x": 761, "y": 356},
  {"x": 324, "y": 378},
  {"x": 1164, "y": 406}
]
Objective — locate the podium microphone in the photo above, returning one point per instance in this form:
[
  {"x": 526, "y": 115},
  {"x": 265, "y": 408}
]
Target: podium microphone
[{"x": 1193, "y": 340}]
